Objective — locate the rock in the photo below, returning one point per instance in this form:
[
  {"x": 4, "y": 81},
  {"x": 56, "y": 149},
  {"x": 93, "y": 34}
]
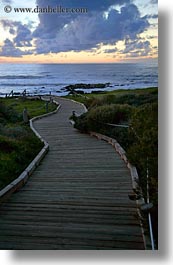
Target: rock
[
  {"x": 80, "y": 91},
  {"x": 86, "y": 86}
]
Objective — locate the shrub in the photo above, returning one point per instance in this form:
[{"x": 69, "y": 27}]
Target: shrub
[
  {"x": 134, "y": 99},
  {"x": 18, "y": 144},
  {"x": 9, "y": 169},
  {"x": 15, "y": 155},
  {"x": 144, "y": 152},
  {"x": 97, "y": 118},
  {"x": 8, "y": 114},
  {"x": 7, "y": 145}
]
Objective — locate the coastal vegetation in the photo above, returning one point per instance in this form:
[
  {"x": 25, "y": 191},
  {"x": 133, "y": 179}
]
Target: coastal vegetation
[
  {"x": 18, "y": 144},
  {"x": 138, "y": 110}
]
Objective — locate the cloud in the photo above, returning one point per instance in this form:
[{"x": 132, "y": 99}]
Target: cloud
[
  {"x": 151, "y": 37},
  {"x": 21, "y": 37},
  {"x": 96, "y": 5},
  {"x": 154, "y": 1},
  {"x": 9, "y": 50},
  {"x": 6, "y": 24},
  {"x": 51, "y": 23},
  {"x": 85, "y": 32},
  {"x": 110, "y": 50},
  {"x": 7, "y": 1},
  {"x": 22, "y": 34},
  {"x": 137, "y": 47},
  {"x": 154, "y": 16},
  {"x": 65, "y": 32}
]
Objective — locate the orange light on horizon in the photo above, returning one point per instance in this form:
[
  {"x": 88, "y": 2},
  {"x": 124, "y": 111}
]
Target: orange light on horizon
[{"x": 72, "y": 57}]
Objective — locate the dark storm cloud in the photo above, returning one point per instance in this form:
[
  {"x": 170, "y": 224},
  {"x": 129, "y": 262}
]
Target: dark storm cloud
[
  {"x": 9, "y": 50},
  {"x": 22, "y": 34},
  {"x": 78, "y": 32},
  {"x": 96, "y": 5},
  {"x": 51, "y": 23},
  {"x": 86, "y": 32}
]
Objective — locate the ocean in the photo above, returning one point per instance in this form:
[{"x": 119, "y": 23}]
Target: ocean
[{"x": 46, "y": 78}]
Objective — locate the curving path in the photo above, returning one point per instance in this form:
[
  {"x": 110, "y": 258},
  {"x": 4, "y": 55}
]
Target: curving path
[{"x": 76, "y": 199}]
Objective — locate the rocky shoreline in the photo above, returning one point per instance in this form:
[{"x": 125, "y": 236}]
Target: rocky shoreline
[{"x": 74, "y": 89}]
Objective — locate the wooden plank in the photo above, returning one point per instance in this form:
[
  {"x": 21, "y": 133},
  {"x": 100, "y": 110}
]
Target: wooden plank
[
  {"x": 75, "y": 228},
  {"x": 56, "y": 207},
  {"x": 76, "y": 199},
  {"x": 46, "y": 213}
]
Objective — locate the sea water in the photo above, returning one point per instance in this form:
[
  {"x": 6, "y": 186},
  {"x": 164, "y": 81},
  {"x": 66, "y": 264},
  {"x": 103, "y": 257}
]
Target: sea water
[{"x": 46, "y": 78}]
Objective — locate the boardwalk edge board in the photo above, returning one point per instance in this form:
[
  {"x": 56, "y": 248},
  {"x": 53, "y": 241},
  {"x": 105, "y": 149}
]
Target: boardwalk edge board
[
  {"x": 134, "y": 178},
  {"x": 19, "y": 182}
]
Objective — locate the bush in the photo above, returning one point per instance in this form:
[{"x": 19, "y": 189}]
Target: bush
[
  {"x": 97, "y": 118},
  {"x": 8, "y": 114},
  {"x": 133, "y": 99},
  {"x": 18, "y": 145},
  {"x": 7, "y": 145},
  {"x": 144, "y": 152},
  {"x": 15, "y": 155},
  {"x": 9, "y": 169},
  {"x": 15, "y": 132}
]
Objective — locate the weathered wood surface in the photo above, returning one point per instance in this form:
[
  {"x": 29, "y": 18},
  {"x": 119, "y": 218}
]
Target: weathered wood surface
[{"x": 76, "y": 199}]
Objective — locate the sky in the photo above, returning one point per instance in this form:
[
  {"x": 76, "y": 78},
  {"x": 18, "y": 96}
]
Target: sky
[{"x": 110, "y": 31}]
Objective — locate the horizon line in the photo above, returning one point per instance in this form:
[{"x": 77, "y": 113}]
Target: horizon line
[{"x": 127, "y": 62}]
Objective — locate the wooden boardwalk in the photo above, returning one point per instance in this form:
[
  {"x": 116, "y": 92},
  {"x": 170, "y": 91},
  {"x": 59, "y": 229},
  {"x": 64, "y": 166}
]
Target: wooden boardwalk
[{"x": 76, "y": 199}]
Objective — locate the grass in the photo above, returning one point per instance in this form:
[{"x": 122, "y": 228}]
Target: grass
[
  {"x": 18, "y": 144},
  {"x": 98, "y": 97},
  {"x": 35, "y": 107}
]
